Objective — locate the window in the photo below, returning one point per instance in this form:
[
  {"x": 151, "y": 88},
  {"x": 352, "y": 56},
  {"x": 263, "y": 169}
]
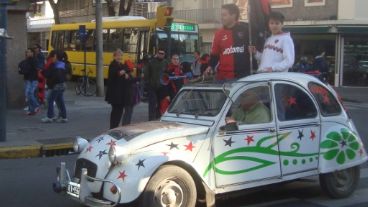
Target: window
[
  {"x": 130, "y": 40},
  {"x": 327, "y": 102},
  {"x": 115, "y": 40},
  {"x": 90, "y": 40},
  {"x": 314, "y": 2},
  {"x": 57, "y": 41},
  {"x": 198, "y": 102},
  {"x": 293, "y": 103},
  {"x": 252, "y": 106}
]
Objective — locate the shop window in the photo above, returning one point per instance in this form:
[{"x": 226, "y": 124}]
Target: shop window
[
  {"x": 355, "y": 62},
  {"x": 293, "y": 103},
  {"x": 326, "y": 101}
]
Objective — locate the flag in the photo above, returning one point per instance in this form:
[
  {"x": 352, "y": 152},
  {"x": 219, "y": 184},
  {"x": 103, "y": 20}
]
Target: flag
[{"x": 258, "y": 12}]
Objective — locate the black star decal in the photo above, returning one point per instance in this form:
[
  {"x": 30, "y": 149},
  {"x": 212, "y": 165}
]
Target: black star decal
[
  {"x": 101, "y": 154},
  {"x": 228, "y": 142},
  {"x": 140, "y": 163},
  {"x": 172, "y": 146},
  {"x": 343, "y": 143},
  {"x": 301, "y": 135},
  {"x": 100, "y": 139}
]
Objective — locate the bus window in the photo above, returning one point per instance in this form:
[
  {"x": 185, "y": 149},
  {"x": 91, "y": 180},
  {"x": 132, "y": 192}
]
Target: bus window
[
  {"x": 115, "y": 40},
  {"x": 105, "y": 39},
  {"x": 76, "y": 44},
  {"x": 130, "y": 40},
  {"x": 90, "y": 42},
  {"x": 69, "y": 44},
  {"x": 57, "y": 41}
]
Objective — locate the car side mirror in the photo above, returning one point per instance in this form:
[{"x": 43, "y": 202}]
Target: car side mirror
[{"x": 232, "y": 126}]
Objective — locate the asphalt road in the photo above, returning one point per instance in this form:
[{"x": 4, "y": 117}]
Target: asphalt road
[{"x": 27, "y": 183}]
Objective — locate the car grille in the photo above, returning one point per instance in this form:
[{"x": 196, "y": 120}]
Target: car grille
[{"x": 83, "y": 163}]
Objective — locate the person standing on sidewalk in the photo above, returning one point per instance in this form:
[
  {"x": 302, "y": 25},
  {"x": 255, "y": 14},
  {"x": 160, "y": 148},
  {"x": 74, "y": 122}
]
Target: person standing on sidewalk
[
  {"x": 229, "y": 51},
  {"x": 28, "y": 68},
  {"x": 278, "y": 52},
  {"x": 119, "y": 91},
  {"x": 41, "y": 79},
  {"x": 196, "y": 65},
  {"x": 152, "y": 75},
  {"x": 55, "y": 80}
]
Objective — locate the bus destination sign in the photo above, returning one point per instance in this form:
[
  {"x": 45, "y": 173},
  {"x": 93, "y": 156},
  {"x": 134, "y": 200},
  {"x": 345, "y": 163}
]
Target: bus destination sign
[{"x": 183, "y": 27}]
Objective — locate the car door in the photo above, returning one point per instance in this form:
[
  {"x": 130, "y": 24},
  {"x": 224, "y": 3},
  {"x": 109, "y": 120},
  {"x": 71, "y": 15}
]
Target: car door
[
  {"x": 246, "y": 150},
  {"x": 298, "y": 128}
]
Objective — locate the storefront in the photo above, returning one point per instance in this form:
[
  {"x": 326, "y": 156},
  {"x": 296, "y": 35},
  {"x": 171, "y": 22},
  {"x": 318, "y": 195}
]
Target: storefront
[{"x": 345, "y": 49}]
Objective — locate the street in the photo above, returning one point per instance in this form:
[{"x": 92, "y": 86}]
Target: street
[{"x": 28, "y": 182}]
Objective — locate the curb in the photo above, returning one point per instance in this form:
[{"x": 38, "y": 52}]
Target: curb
[
  {"x": 20, "y": 152},
  {"x": 32, "y": 151}
]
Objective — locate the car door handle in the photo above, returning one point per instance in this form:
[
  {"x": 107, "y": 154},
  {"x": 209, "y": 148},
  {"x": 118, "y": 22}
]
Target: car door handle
[{"x": 272, "y": 130}]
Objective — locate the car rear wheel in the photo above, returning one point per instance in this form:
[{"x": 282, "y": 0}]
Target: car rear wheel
[
  {"x": 340, "y": 184},
  {"x": 170, "y": 186}
]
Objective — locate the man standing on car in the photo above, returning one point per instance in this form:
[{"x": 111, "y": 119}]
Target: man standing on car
[
  {"x": 230, "y": 46},
  {"x": 152, "y": 76}
]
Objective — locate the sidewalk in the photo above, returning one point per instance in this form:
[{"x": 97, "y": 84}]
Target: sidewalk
[
  {"x": 88, "y": 117},
  {"x": 27, "y": 136}
]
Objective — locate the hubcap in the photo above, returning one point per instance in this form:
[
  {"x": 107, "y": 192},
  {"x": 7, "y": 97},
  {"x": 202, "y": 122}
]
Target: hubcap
[
  {"x": 169, "y": 194},
  {"x": 343, "y": 179}
]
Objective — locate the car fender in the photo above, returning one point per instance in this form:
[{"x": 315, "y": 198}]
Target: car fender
[
  {"x": 340, "y": 148},
  {"x": 133, "y": 175}
]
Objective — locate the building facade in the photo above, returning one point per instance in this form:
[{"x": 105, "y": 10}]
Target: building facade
[
  {"x": 16, "y": 48},
  {"x": 337, "y": 28}
]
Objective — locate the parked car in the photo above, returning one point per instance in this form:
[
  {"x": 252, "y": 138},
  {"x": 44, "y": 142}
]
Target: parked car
[{"x": 221, "y": 138}]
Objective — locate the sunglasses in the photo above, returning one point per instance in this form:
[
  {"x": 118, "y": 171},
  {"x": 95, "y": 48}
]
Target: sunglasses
[{"x": 161, "y": 53}]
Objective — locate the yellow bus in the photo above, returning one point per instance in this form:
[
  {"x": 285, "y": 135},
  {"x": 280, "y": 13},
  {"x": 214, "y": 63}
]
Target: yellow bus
[{"x": 135, "y": 36}]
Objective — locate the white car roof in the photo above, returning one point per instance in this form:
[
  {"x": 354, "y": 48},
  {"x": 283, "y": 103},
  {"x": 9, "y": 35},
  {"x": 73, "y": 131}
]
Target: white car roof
[{"x": 285, "y": 76}]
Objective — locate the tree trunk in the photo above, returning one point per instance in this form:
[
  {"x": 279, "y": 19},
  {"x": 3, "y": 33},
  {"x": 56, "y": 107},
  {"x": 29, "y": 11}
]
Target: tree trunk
[
  {"x": 124, "y": 11},
  {"x": 55, "y": 9},
  {"x": 111, "y": 8}
]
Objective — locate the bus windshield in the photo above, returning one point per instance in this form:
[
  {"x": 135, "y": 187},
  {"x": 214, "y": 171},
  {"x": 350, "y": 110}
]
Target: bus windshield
[{"x": 183, "y": 44}]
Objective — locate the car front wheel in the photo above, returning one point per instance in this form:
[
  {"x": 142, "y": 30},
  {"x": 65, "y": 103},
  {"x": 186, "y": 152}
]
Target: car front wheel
[
  {"x": 340, "y": 184},
  {"x": 170, "y": 186}
]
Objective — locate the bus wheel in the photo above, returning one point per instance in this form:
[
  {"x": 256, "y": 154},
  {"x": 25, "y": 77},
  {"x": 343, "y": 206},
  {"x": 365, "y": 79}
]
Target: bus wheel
[
  {"x": 170, "y": 186},
  {"x": 340, "y": 184}
]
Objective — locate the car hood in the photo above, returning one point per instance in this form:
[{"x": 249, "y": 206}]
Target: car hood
[{"x": 140, "y": 135}]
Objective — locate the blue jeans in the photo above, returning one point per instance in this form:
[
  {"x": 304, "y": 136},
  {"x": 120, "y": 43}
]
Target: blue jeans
[
  {"x": 31, "y": 87},
  {"x": 56, "y": 95}
]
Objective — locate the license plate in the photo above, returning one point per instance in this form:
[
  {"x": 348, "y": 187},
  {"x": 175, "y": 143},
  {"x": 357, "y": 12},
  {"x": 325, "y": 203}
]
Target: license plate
[{"x": 73, "y": 189}]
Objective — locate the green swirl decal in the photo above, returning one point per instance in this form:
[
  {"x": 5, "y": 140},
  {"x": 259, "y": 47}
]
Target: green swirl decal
[
  {"x": 340, "y": 146},
  {"x": 259, "y": 149}
]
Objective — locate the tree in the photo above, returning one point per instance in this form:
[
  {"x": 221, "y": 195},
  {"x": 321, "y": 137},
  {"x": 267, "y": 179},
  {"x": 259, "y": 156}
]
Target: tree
[
  {"x": 55, "y": 8},
  {"x": 124, "y": 7}
]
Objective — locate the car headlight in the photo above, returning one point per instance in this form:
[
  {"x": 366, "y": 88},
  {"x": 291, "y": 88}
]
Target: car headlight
[
  {"x": 117, "y": 154},
  {"x": 79, "y": 144}
]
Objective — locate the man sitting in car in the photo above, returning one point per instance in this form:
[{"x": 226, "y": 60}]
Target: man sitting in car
[{"x": 250, "y": 111}]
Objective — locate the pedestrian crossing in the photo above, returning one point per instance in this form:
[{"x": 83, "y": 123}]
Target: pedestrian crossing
[{"x": 313, "y": 197}]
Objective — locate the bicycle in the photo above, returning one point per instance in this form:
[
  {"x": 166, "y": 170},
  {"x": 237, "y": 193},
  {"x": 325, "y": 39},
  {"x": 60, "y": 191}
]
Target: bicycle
[{"x": 85, "y": 86}]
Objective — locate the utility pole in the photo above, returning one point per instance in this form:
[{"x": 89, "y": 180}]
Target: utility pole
[
  {"x": 99, "y": 51},
  {"x": 3, "y": 76}
]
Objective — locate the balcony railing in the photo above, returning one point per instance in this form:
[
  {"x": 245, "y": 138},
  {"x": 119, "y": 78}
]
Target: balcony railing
[{"x": 201, "y": 16}]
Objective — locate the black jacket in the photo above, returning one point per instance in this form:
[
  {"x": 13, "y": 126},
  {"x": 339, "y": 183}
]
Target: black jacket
[
  {"x": 56, "y": 74},
  {"x": 119, "y": 89},
  {"x": 28, "y": 68}
]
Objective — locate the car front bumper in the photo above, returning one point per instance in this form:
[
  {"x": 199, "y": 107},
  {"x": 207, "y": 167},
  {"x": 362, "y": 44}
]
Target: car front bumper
[{"x": 80, "y": 191}]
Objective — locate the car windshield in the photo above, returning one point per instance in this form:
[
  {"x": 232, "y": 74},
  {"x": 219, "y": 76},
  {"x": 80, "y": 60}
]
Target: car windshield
[{"x": 198, "y": 102}]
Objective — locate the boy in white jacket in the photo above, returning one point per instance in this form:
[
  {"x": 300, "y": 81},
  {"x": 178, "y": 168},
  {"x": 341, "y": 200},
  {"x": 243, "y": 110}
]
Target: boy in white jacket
[{"x": 278, "y": 52}]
